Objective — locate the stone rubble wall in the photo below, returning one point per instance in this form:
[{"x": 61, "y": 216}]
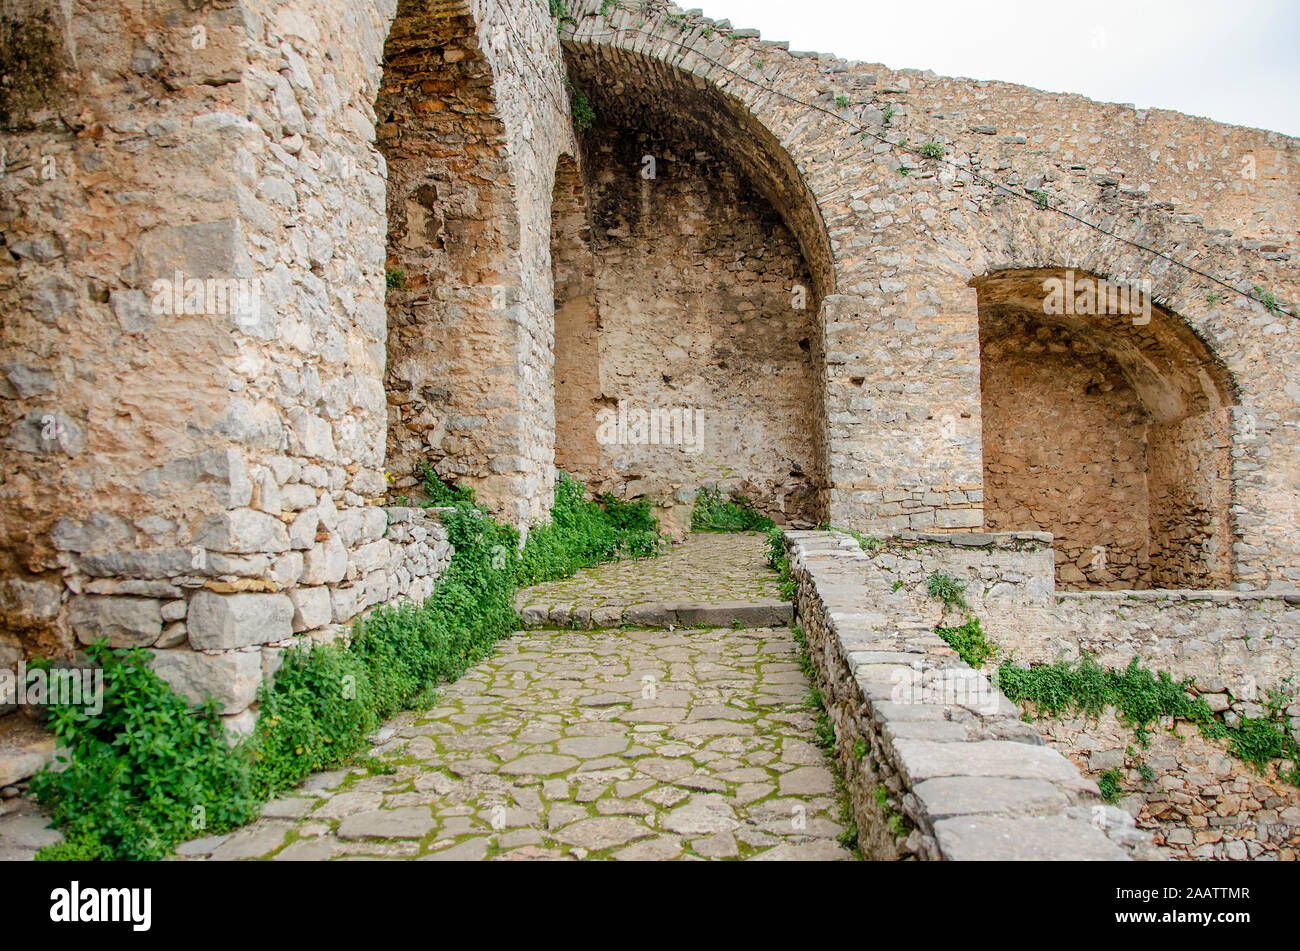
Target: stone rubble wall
[
  {"x": 207, "y": 483},
  {"x": 1056, "y": 458},
  {"x": 1234, "y": 643},
  {"x": 221, "y": 639},
  {"x": 938, "y": 764},
  {"x": 1198, "y": 802},
  {"x": 695, "y": 279}
]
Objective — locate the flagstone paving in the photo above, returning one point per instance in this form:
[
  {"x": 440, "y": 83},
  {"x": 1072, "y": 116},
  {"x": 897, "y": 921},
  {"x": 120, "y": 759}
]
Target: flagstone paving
[
  {"x": 708, "y": 580},
  {"x": 632, "y": 745}
]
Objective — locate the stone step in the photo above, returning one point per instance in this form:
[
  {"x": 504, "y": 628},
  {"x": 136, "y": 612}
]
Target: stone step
[
  {"x": 25, "y": 748},
  {"x": 760, "y": 613}
]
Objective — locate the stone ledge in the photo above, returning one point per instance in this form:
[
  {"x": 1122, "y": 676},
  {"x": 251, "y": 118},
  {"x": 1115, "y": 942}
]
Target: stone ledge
[
  {"x": 654, "y": 614},
  {"x": 929, "y": 742},
  {"x": 1290, "y": 598}
]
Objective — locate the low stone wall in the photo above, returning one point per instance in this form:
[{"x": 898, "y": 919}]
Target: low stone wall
[
  {"x": 216, "y": 631},
  {"x": 1198, "y": 802},
  {"x": 1236, "y": 644},
  {"x": 937, "y": 762}
]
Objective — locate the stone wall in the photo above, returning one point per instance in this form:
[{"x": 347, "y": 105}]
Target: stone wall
[
  {"x": 937, "y": 762},
  {"x": 1233, "y": 642},
  {"x": 1065, "y": 452},
  {"x": 704, "y": 309},
  {"x": 196, "y": 263},
  {"x": 453, "y": 239},
  {"x": 1108, "y": 429},
  {"x": 1189, "y": 498},
  {"x": 223, "y": 639},
  {"x": 1196, "y": 801}
]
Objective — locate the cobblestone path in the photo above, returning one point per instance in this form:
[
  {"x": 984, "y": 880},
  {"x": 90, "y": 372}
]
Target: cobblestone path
[
  {"x": 640, "y": 745},
  {"x": 704, "y": 569}
]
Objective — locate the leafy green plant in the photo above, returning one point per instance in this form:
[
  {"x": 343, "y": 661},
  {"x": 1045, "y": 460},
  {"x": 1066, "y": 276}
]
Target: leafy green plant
[
  {"x": 932, "y": 150},
  {"x": 889, "y": 114},
  {"x": 824, "y": 729},
  {"x": 1109, "y": 783},
  {"x": 715, "y": 512},
  {"x": 1043, "y": 199},
  {"x": 1268, "y": 300},
  {"x": 969, "y": 642},
  {"x": 78, "y": 847},
  {"x": 560, "y": 13},
  {"x": 842, "y": 101},
  {"x": 148, "y": 770},
  {"x": 395, "y": 279},
  {"x": 777, "y": 558},
  {"x": 584, "y": 115},
  {"x": 441, "y": 494},
  {"x": 582, "y": 533},
  {"x": 949, "y": 590}
]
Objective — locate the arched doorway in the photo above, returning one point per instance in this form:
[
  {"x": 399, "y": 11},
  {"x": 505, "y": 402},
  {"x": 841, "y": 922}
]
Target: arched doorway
[
  {"x": 699, "y": 358},
  {"x": 453, "y": 235}
]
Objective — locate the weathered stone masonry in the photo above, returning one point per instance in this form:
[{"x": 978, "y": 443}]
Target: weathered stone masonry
[
  {"x": 937, "y": 763},
  {"x": 1198, "y": 801},
  {"x": 171, "y": 471},
  {"x": 231, "y": 463}
]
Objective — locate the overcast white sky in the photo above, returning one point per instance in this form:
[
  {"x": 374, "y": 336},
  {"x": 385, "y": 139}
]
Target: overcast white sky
[{"x": 1235, "y": 61}]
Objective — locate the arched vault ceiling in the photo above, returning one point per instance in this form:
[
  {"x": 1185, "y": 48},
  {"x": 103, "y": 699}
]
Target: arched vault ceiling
[
  {"x": 1167, "y": 364},
  {"x": 628, "y": 90}
]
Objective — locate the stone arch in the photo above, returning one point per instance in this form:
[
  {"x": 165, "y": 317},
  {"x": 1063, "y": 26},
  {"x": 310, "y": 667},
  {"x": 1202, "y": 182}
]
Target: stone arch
[
  {"x": 1216, "y": 328},
  {"x": 711, "y": 262},
  {"x": 1107, "y": 421},
  {"x": 624, "y": 74},
  {"x": 453, "y": 244}
]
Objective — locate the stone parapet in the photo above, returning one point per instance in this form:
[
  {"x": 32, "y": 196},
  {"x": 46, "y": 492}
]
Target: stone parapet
[{"x": 939, "y": 765}]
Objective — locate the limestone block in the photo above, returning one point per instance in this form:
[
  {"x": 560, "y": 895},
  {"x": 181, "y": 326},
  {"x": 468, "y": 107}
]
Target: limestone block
[
  {"x": 312, "y": 608},
  {"x": 325, "y": 563},
  {"x": 30, "y": 602},
  {"x": 125, "y": 622},
  {"x": 296, "y": 497},
  {"x": 302, "y": 531},
  {"x": 374, "y": 524},
  {"x": 226, "y": 621},
  {"x": 345, "y": 603},
  {"x": 244, "y": 532},
  {"x": 99, "y": 532},
  {"x": 232, "y": 678}
]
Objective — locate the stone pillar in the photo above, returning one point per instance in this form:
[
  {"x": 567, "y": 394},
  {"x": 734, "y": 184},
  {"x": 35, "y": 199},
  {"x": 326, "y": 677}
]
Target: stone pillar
[{"x": 903, "y": 408}]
